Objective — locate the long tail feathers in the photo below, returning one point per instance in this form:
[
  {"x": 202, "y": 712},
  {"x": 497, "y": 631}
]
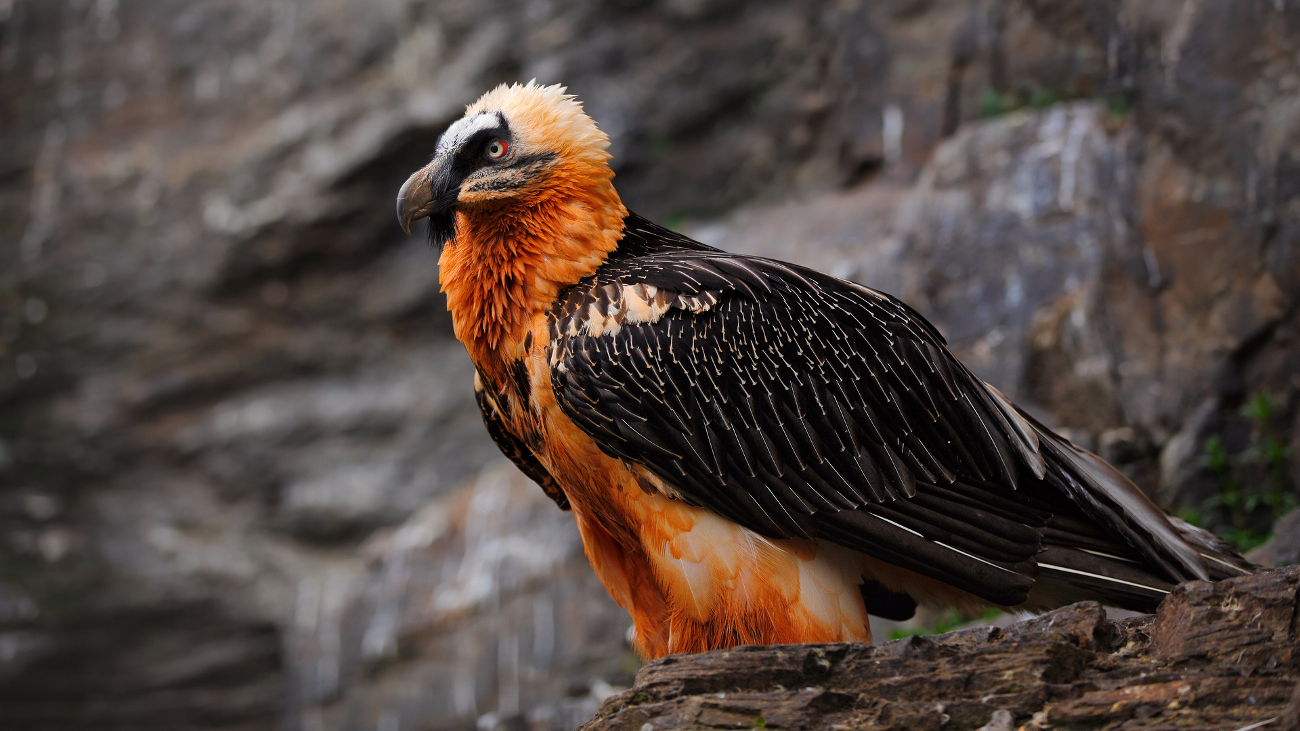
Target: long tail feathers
[
  {"x": 1087, "y": 574},
  {"x": 1139, "y": 518},
  {"x": 1156, "y": 552},
  {"x": 1220, "y": 557}
]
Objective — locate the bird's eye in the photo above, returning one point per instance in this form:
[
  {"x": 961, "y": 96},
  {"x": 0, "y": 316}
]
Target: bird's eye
[{"x": 497, "y": 149}]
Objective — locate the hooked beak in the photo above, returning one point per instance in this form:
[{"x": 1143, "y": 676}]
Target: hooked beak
[{"x": 430, "y": 191}]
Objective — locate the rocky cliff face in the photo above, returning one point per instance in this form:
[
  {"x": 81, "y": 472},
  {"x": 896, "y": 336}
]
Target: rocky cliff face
[{"x": 242, "y": 480}]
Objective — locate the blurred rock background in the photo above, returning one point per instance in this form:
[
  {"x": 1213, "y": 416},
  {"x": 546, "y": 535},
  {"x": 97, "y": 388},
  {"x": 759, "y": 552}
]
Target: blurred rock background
[{"x": 243, "y": 484}]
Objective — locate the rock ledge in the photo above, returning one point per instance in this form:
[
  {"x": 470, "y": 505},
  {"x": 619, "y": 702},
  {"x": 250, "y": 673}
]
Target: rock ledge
[{"x": 1221, "y": 656}]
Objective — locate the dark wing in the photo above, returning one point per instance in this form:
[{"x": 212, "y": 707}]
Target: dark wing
[
  {"x": 515, "y": 448},
  {"x": 797, "y": 404}
]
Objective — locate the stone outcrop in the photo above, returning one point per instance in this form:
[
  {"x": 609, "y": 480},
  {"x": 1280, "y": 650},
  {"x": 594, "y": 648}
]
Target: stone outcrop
[
  {"x": 232, "y": 412},
  {"x": 1213, "y": 656},
  {"x": 480, "y": 607}
]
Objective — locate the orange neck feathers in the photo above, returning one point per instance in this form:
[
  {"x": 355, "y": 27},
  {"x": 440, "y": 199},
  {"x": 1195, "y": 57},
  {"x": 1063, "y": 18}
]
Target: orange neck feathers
[{"x": 509, "y": 259}]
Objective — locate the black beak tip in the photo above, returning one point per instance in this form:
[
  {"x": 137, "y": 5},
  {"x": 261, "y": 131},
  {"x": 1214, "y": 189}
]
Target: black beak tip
[
  {"x": 401, "y": 218},
  {"x": 413, "y": 200}
]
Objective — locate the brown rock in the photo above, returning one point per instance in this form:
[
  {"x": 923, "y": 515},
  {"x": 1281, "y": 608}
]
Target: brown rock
[
  {"x": 1214, "y": 654},
  {"x": 1250, "y": 623}
]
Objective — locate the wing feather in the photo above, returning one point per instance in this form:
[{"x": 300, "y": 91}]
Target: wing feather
[
  {"x": 515, "y": 448},
  {"x": 797, "y": 404}
]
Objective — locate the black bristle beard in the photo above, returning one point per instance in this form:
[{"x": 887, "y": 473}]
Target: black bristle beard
[{"x": 442, "y": 228}]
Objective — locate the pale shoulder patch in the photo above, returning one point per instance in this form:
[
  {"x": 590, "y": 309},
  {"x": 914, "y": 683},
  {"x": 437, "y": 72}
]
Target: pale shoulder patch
[{"x": 604, "y": 310}]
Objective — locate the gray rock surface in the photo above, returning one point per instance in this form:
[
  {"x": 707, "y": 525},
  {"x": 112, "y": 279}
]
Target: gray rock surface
[
  {"x": 231, "y": 411},
  {"x": 1283, "y": 549},
  {"x": 480, "y": 608}
]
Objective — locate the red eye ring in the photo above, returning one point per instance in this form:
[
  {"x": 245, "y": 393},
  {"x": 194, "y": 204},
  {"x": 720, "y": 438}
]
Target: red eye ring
[{"x": 497, "y": 149}]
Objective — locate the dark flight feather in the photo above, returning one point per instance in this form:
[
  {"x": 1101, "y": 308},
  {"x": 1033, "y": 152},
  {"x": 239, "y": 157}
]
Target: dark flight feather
[{"x": 516, "y": 450}]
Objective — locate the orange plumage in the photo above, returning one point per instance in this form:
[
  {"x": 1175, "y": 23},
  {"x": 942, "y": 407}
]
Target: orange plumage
[{"x": 717, "y": 501}]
